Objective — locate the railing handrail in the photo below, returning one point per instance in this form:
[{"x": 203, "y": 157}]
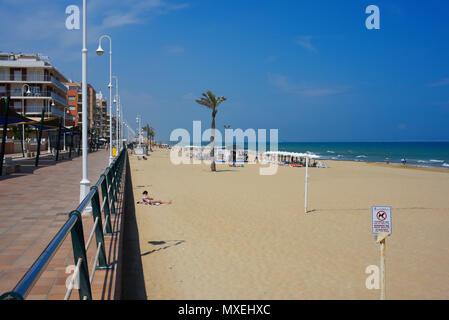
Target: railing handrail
[{"x": 24, "y": 286}]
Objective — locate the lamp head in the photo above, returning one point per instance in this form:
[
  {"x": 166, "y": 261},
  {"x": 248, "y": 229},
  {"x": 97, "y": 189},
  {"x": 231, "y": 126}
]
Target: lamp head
[
  {"x": 52, "y": 103},
  {"x": 28, "y": 91},
  {"x": 100, "y": 50}
]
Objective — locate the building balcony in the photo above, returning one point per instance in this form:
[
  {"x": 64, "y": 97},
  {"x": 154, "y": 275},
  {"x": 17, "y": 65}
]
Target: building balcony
[
  {"x": 34, "y": 79},
  {"x": 54, "y": 112},
  {"x": 18, "y": 94}
]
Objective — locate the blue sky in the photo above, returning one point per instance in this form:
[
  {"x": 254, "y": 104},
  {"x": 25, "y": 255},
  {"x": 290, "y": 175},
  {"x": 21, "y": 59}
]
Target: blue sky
[{"x": 308, "y": 68}]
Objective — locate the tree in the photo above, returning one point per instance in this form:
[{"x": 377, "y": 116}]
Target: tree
[
  {"x": 150, "y": 134},
  {"x": 212, "y": 102}
]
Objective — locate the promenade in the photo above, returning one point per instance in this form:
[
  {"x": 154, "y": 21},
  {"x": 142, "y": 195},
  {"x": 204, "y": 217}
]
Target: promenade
[{"x": 34, "y": 205}]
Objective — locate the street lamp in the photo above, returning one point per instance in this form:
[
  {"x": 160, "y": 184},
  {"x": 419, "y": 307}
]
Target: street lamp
[
  {"x": 48, "y": 114},
  {"x": 100, "y": 52},
  {"x": 84, "y": 183},
  {"x": 121, "y": 128},
  {"x": 117, "y": 103},
  {"x": 139, "y": 121},
  {"x": 23, "y": 114},
  {"x": 64, "y": 124}
]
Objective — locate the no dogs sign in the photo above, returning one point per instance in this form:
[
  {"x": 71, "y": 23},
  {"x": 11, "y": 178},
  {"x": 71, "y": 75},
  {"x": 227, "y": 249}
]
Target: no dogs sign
[{"x": 381, "y": 220}]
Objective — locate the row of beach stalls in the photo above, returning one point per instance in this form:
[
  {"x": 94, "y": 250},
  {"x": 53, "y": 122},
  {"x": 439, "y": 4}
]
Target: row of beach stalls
[
  {"x": 293, "y": 159},
  {"x": 222, "y": 154},
  {"x": 10, "y": 118}
]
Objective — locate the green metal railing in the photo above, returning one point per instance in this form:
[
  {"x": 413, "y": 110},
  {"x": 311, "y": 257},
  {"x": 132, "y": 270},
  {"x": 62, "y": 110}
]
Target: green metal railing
[{"x": 110, "y": 183}]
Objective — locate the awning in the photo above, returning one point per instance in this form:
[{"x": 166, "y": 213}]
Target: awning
[{"x": 13, "y": 117}]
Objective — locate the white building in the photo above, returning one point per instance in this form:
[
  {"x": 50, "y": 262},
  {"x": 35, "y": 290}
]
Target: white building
[{"x": 33, "y": 84}]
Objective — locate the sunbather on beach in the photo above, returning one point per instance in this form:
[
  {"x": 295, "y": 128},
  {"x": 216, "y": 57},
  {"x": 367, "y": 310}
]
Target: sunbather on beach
[{"x": 148, "y": 200}]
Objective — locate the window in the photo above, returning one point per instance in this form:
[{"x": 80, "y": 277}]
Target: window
[
  {"x": 4, "y": 74},
  {"x": 18, "y": 75},
  {"x": 72, "y": 98}
]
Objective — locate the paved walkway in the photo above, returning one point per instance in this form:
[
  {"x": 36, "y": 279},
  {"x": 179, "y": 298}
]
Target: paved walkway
[{"x": 33, "y": 206}]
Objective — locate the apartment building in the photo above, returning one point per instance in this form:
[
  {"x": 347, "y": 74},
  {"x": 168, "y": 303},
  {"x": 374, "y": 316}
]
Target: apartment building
[
  {"x": 100, "y": 117},
  {"x": 34, "y": 84},
  {"x": 75, "y": 101}
]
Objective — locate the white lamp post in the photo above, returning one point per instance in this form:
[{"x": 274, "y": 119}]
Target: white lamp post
[
  {"x": 65, "y": 110},
  {"x": 117, "y": 103},
  {"x": 100, "y": 52},
  {"x": 84, "y": 183},
  {"x": 121, "y": 128},
  {"x": 23, "y": 111},
  {"x": 48, "y": 114},
  {"x": 139, "y": 121}
]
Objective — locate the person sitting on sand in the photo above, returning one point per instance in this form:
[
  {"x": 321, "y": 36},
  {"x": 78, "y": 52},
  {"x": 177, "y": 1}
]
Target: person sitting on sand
[{"x": 146, "y": 199}]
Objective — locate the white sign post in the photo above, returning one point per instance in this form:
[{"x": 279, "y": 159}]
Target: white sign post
[
  {"x": 382, "y": 228},
  {"x": 306, "y": 185}
]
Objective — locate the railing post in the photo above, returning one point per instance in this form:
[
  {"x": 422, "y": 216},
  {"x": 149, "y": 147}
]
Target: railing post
[
  {"x": 111, "y": 191},
  {"x": 114, "y": 172},
  {"x": 102, "y": 263},
  {"x": 79, "y": 251},
  {"x": 107, "y": 212}
]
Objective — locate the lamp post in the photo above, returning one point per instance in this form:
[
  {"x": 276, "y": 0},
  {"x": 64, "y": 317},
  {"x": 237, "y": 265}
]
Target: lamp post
[
  {"x": 121, "y": 128},
  {"x": 65, "y": 110},
  {"x": 117, "y": 103},
  {"x": 100, "y": 52},
  {"x": 48, "y": 114},
  {"x": 23, "y": 114},
  {"x": 139, "y": 121},
  {"x": 84, "y": 183}
]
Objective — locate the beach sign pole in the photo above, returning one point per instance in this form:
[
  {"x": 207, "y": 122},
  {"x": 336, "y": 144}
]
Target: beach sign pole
[
  {"x": 382, "y": 228},
  {"x": 382, "y": 269},
  {"x": 307, "y": 178}
]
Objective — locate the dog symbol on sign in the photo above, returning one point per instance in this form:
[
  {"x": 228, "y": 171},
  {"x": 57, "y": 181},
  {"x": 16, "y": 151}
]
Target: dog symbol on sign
[{"x": 381, "y": 215}]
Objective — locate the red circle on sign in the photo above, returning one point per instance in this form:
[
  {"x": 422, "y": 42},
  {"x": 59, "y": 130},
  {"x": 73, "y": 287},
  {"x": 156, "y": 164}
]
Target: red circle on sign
[{"x": 381, "y": 215}]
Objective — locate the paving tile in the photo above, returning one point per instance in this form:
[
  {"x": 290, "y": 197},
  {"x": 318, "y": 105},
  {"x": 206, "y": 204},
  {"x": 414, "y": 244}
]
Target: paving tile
[{"x": 27, "y": 226}]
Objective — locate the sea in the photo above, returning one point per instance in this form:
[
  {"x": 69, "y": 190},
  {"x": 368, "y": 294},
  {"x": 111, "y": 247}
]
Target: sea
[{"x": 421, "y": 154}]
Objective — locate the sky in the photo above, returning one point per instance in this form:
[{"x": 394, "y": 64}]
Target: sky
[{"x": 310, "y": 69}]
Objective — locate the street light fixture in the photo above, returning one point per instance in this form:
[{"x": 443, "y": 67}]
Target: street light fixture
[
  {"x": 84, "y": 183},
  {"x": 48, "y": 115},
  {"x": 23, "y": 113},
  {"x": 117, "y": 103},
  {"x": 100, "y": 52}
]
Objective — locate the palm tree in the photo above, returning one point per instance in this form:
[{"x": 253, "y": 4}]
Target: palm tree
[
  {"x": 150, "y": 135},
  {"x": 17, "y": 135},
  {"x": 212, "y": 102}
]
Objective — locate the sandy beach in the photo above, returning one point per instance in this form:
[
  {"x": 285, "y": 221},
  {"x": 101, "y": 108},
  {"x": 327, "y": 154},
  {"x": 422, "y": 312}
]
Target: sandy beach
[{"x": 235, "y": 234}]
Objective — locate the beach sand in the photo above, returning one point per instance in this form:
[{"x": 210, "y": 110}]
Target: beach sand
[{"x": 235, "y": 234}]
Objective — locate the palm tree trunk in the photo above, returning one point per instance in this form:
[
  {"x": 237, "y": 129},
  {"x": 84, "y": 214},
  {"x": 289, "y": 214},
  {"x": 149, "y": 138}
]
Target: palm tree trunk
[
  {"x": 212, "y": 140},
  {"x": 21, "y": 140}
]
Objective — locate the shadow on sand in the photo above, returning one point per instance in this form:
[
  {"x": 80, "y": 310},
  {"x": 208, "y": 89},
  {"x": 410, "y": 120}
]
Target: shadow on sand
[{"x": 168, "y": 244}]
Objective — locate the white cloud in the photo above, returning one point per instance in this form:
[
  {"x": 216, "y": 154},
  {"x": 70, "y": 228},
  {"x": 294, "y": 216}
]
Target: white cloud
[
  {"x": 306, "y": 43},
  {"x": 174, "y": 49},
  {"x": 189, "y": 97},
  {"x": 441, "y": 83},
  {"x": 42, "y": 23},
  {"x": 284, "y": 84}
]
